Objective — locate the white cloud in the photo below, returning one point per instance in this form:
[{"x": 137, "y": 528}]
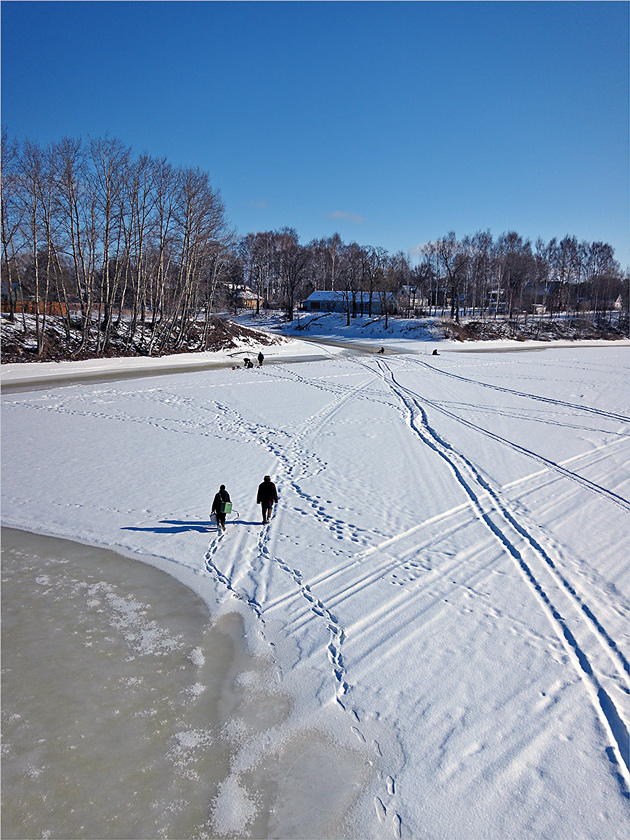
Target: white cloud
[
  {"x": 347, "y": 217},
  {"x": 418, "y": 250}
]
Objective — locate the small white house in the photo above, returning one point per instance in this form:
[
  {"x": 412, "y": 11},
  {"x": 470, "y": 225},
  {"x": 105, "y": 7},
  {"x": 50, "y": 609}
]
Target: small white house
[
  {"x": 412, "y": 298},
  {"x": 246, "y": 299}
]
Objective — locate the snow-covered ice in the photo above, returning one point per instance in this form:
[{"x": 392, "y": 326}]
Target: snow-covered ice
[{"x": 444, "y": 586}]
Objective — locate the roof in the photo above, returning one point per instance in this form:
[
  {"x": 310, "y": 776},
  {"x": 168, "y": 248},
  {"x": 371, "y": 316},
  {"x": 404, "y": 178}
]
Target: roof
[{"x": 321, "y": 295}]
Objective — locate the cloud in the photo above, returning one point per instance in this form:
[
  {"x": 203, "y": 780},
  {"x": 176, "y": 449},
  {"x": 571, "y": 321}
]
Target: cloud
[
  {"x": 347, "y": 217},
  {"x": 259, "y": 205},
  {"x": 419, "y": 249}
]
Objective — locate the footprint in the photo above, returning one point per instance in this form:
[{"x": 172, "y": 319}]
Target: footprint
[
  {"x": 381, "y": 810},
  {"x": 358, "y": 734}
]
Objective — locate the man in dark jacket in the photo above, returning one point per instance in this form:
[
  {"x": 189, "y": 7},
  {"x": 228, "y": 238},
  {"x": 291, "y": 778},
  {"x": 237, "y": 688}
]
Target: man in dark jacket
[
  {"x": 267, "y": 495},
  {"x": 218, "y": 506}
]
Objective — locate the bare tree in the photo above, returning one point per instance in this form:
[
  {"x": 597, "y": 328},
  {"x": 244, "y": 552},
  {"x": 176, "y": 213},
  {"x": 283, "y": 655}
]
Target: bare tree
[
  {"x": 11, "y": 216},
  {"x": 454, "y": 261},
  {"x": 293, "y": 262},
  {"x": 110, "y": 162}
]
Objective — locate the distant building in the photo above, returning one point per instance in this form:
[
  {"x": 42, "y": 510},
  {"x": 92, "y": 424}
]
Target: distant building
[
  {"x": 48, "y": 307},
  {"x": 340, "y": 301},
  {"x": 411, "y": 300},
  {"x": 496, "y": 302},
  {"x": 246, "y": 299}
]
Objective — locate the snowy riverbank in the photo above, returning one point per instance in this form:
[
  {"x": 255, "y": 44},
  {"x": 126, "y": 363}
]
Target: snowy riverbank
[{"x": 444, "y": 588}]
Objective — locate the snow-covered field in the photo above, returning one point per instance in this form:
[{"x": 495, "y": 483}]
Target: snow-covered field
[{"x": 445, "y": 584}]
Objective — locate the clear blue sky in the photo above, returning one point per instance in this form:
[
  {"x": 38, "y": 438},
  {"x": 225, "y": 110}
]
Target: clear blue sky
[{"x": 390, "y": 123}]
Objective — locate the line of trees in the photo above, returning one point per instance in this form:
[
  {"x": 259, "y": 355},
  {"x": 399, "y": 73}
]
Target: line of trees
[
  {"x": 507, "y": 275},
  {"x": 107, "y": 234},
  {"x": 131, "y": 245},
  {"x": 475, "y": 276}
]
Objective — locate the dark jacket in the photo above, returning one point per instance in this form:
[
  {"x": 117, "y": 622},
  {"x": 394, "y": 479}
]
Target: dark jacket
[
  {"x": 267, "y": 494},
  {"x": 222, "y": 496}
]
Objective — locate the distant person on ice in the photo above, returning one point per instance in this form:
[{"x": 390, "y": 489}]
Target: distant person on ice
[
  {"x": 261, "y": 359},
  {"x": 218, "y": 506},
  {"x": 267, "y": 496}
]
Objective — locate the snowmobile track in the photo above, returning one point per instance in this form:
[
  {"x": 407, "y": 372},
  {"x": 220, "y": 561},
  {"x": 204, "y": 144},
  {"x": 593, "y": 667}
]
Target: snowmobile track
[{"x": 549, "y": 586}]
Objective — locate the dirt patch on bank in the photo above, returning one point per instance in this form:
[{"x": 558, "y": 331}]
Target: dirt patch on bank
[{"x": 19, "y": 341}]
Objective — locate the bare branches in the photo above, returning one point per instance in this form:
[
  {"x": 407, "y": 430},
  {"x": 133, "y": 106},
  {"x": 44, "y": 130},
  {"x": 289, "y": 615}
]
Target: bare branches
[
  {"x": 100, "y": 231},
  {"x": 132, "y": 248}
]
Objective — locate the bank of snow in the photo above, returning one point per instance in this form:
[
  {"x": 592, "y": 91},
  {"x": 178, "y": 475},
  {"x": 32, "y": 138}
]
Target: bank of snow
[
  {"x": 24, "y": 372},
  {"x": 444, "y": 587},
  {"x": 419, "y": 335}
]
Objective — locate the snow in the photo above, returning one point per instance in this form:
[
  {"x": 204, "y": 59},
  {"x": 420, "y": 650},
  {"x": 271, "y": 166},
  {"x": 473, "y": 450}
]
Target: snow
[
  {"x": 445, "y": 584},
  {"x": 89, "y": 368}
]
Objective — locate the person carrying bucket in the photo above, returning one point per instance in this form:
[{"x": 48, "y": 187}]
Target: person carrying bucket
[{"x": 221, "y": 506}]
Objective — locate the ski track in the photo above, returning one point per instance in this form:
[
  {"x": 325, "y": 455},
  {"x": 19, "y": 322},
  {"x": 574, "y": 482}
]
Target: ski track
[
  {"x": 568, "y": 613},
  {"x": 593, "y": 456},
  {"x": 520, "y": 414},
  {"x": 592, "y": 486},
  {"x": 615, "y": 498},
  {"x": 610, "y": 415}
]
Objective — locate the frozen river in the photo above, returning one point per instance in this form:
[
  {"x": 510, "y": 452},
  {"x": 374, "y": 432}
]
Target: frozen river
[
  {"x": 435, "y": 622},
  {"x": 123, "y": 708}
]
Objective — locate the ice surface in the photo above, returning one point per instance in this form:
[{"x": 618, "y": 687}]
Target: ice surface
[
  {"x": 444, "y": 589},
  {"x": 120, "y": 704}
]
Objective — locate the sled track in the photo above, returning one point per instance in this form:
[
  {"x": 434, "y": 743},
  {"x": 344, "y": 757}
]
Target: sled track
[
  {"x": 573, "y": 621},
  {"x": 592, "y": 486},
  {"x": 613, "y": 497},
  {"x": 611, "y": 415}
]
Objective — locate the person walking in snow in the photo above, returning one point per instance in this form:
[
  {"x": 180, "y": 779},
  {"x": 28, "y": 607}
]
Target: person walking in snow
[
  {"x": 267, "y": 496},
  {"x": 261, "y": 359},
  {"x": 218, "y": 506}
]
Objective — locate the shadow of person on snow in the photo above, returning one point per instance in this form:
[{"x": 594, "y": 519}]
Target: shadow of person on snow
[{"x": 179, "y": 526}]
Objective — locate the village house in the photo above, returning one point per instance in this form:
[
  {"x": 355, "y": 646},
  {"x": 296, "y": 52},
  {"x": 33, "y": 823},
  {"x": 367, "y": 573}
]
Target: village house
[
  {"x": 411, "y": 300},
  {"x": 323, "y": 301},
  {"x": 246, "y": 299}
]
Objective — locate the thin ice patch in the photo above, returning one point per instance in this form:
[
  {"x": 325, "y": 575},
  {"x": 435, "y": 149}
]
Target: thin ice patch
[{"x": 128, "y": 615}]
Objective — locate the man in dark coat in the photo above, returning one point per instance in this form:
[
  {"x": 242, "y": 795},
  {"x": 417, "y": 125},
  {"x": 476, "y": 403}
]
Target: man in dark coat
[
  {"x": 267, "y": 496},
  {"x": 261, "y": 359},
  {"x": 218, "y": 506}
]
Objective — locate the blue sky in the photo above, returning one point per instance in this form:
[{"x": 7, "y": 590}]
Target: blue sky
[{"x": 390, "y": 123}]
